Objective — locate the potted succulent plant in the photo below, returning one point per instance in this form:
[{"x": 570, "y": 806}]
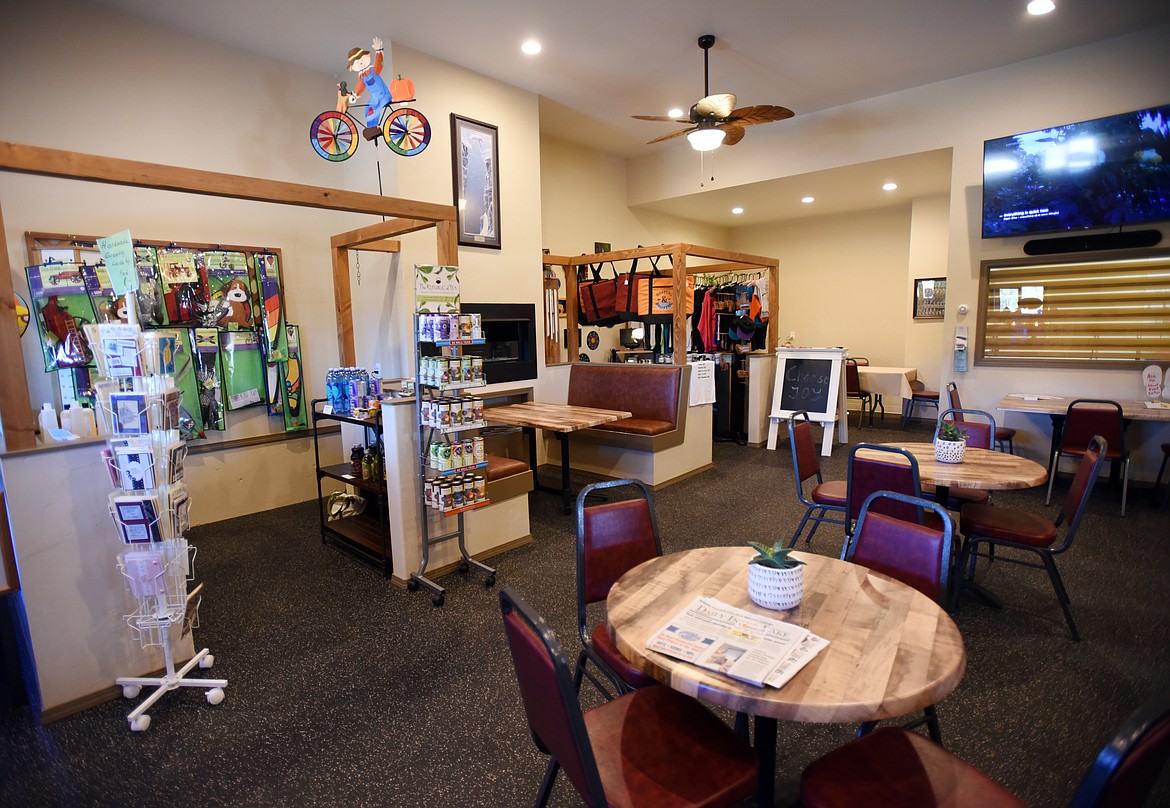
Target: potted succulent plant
[
  {"x": 951, "y": 444},
  {"x": 775, "y": 580}
]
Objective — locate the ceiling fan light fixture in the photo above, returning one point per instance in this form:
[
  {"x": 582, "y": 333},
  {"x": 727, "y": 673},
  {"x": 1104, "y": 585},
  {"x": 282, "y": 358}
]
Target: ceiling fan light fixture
[{"x": 704, "y": 140}]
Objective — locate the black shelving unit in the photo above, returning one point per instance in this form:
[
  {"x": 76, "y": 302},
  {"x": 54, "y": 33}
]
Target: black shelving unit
[{"x": 367, "y": 534}]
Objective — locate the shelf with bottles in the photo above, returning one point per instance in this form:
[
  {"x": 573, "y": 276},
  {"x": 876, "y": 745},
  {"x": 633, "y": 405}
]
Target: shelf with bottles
[{"x": 450, "y": 372}]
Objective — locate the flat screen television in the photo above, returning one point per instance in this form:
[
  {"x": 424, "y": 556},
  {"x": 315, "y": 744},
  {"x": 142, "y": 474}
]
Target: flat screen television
[{"x": 1108, "y": 172}]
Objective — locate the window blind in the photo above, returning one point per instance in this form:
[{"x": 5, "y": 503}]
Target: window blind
[{"x": 1104, "y": 310}]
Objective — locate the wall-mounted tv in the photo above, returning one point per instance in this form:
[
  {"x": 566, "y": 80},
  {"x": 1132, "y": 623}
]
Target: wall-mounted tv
[{"x": 1108, "y": 172}]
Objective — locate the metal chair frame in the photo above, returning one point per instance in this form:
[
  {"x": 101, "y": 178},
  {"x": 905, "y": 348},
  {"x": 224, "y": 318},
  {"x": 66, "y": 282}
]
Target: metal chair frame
[
  {"x": 811, "y": 507},
  {"x": 1004, "y": 436},
  {"x": 588, "y": 654},
  {"x": 942, "y": 597},
  {"x": 1078, "y": 449},
  {"x": 1071, "y": 512}
]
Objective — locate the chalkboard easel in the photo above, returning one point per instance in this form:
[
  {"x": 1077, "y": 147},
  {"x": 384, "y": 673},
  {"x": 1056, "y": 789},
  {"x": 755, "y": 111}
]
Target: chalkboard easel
[{"x": 809, "y": 379}]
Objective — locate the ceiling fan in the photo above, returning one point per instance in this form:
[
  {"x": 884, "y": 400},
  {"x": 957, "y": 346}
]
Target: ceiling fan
[{"x": 713, "y": 119}]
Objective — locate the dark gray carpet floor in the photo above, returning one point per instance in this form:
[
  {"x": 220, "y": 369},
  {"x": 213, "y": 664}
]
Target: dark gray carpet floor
[{"x": 345, "y": 690}]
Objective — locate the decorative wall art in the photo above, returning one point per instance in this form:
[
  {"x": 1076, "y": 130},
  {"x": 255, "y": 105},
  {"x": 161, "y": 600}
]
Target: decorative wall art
[
  {"x": 930, "y": 298},
  {"x": 335, "y": 133},
  {"x": 475, "y": 173}
]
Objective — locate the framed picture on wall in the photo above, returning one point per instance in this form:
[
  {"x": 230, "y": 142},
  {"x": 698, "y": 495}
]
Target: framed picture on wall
[
  {"x": 930, "y": 298},
  {"x": 475, "y": 173}
]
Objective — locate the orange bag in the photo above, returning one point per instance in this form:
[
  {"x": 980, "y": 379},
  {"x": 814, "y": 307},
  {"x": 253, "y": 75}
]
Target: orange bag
[{"x": 649, "y": 296}]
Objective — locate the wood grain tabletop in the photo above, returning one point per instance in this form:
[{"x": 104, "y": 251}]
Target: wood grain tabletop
[
  {"x": 981, "y": 468},
  {"x": 552, "y": 417},
  {"x": 1054, "y": 405},
  {"x": 892, "y": 651}
]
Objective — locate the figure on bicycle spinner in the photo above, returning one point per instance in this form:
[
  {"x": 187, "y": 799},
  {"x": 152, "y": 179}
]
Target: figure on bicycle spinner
[{"x": 334, "y": 133}]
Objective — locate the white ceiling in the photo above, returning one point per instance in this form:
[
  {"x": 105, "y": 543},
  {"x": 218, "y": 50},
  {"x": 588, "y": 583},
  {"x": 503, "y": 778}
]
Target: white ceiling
[{"x": 605, "y": 60}]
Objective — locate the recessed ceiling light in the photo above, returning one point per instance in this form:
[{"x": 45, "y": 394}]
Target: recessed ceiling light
[
  {"x": 1038, "y": 7},
  {"x": 674, "y": 112},
  {"x": 808, "y": 200},
  {"x": 737, "y": 211},
  {"x": 890, "y": 186},
  {"x": 531, "y": 47}
]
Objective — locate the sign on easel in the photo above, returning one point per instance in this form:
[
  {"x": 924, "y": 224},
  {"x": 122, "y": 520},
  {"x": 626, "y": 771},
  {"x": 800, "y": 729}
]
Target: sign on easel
[{"x": 809, "y": 379}]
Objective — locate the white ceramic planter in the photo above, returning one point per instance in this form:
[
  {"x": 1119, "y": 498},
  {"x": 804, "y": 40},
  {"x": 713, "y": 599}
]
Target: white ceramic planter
[
  {"x": 775, "y": 588},
  {"x": 950, "y": 451}
]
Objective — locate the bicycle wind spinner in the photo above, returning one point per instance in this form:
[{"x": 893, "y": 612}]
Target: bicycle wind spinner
[{"x": 334, "y": 133}]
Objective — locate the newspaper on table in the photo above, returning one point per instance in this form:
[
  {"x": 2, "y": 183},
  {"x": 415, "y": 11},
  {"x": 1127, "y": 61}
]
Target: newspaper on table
[{"x": 735, "y": 642}]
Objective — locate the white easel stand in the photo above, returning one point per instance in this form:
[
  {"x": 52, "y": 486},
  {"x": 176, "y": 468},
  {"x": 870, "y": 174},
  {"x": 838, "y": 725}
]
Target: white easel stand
[{"x": 132, "y": 685}]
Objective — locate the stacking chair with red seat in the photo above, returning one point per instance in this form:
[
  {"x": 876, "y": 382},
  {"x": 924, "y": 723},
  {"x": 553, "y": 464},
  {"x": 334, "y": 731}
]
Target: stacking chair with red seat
[
  {"x": 917, "y": 555},
  {"x": 853, "y": 390},
  {"x": 612, "y": 537},
  {"x": 919, "y": 397},
  {"x": 650, "y": 747},
  {"x": 1004, "y": 435},
  {"x": 867, "y": 475},
  {"x": 894, "y": 767},
  {"x": 825, "y": 498},
  {"x": 877, "y": 398},
  {"x": 1085, "y": 418},
  {"x": 1028, "y": 532}
]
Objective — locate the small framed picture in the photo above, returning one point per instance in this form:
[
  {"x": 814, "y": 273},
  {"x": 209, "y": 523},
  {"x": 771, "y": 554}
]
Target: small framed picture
[
  {"x": 601, "y": 246},
  {"x": 561, "y": 310},
  {"x": 930, "y": 298},
  {"x": 475, "y": 172}
]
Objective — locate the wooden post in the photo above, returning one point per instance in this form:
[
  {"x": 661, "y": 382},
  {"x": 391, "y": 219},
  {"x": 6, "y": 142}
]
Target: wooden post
[
  {"x": 447, "y": 243},
  {"x": 15, "y": 407},
  {"x": 343, "y": 303},
  {"x": 679, "y": 326}
]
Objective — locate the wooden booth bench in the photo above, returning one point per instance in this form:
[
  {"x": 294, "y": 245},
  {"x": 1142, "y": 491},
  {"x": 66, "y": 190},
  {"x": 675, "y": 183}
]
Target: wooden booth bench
[{"x": 656, "y": 444}]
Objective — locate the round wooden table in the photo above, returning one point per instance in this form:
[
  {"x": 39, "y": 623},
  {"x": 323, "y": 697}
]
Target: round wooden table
[
  {"x": 892, "y": 650},
  {"x": 981, "y": 468}
]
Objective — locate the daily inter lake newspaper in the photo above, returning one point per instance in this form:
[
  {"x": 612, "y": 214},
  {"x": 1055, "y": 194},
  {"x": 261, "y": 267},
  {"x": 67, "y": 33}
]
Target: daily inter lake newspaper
[{"x": 735, "y": 642}]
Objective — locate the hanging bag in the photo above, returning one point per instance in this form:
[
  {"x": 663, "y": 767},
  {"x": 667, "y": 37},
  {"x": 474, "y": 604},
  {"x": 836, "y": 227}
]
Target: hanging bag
[
  {"x": 597, "y": 297},
  {"x": 649, "y": 296}
]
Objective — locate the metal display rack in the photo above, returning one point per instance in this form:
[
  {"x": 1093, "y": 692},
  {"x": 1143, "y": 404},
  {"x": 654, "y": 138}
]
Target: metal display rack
[
  {"x": 149, "y": 506},
  {"x": 366, "y": 534},
  {"x": 439, "y": 431}
]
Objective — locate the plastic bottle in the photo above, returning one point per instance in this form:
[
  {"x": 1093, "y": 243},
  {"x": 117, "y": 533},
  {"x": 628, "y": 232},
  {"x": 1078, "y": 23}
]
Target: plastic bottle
[
  {"x": 48, "y": 420},
  {"x": 67, "y": 420},
  {"x": 88, "y": 421}
]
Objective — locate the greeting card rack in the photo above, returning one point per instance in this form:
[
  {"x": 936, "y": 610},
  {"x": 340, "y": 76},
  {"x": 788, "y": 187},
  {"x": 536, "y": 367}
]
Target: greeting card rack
[
  {"x": 452, "y": 466},
  {"x": 150, "y": 505}
]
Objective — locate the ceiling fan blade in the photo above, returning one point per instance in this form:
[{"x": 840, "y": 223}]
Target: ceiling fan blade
[
  {"x": 715, "y": 106},
  {"x": 764, "y": 113},
  {"x": 679, "y": 133},
  {"x": 662, "y": 118},
  {"x": 734, "y": 133}
]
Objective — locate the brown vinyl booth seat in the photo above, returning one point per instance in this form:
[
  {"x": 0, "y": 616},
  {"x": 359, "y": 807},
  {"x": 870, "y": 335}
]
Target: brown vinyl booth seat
[
  {"x": 656, "y": 395},
  {"x": 506, "y": 477}
]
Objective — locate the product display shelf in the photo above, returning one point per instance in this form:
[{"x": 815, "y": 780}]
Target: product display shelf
[
  {"x": 150, "y": 506},
  {"x": 364, "y": 534},
  {"x": 433, "y": 430}
]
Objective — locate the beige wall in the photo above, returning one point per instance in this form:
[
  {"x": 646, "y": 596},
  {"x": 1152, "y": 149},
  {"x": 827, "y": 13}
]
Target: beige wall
[{"x": 840, "y": 279}]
